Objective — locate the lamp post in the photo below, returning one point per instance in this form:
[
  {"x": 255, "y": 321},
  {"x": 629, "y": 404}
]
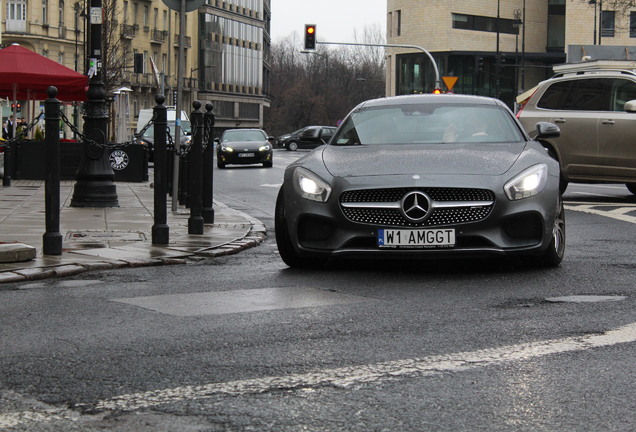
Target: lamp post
[
  {"x": 523, "y": 49},
  {"x": 497, "y": 57},
  {"x": 95, "y": 185},
  {"x": 593, "y": 2},
  {"x": 516, "y": 24}
]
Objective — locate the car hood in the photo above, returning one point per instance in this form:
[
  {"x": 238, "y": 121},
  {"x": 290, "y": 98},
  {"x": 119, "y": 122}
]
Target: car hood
[
  {"x": 465, "y": 159},
  {"x": 244, "y": 145}
]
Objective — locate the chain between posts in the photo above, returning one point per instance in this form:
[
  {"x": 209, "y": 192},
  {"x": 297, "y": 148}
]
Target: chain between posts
[{"x": 184, "y": 148}]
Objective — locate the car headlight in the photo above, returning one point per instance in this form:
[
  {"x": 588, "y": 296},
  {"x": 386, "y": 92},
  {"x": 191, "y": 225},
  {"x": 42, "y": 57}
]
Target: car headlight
[
  {"x": 227, "y": 149},
  {"x": 529, "y": 182},
  {"x": 264, "y": 148},
  {"x": 310, "y": 186}
]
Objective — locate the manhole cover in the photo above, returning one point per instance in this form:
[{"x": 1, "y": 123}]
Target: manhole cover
[{"x": 104, "y": 236}]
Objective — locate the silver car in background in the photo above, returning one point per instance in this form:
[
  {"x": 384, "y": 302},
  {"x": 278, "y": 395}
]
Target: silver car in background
[{"x": 424, "y": 176}]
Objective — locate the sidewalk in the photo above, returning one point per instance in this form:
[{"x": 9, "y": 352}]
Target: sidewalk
[{"x": 113, "y": 237}]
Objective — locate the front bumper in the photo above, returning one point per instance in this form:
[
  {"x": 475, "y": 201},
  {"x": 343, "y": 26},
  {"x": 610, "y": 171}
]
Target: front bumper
[{"x": 505, "y": 228}]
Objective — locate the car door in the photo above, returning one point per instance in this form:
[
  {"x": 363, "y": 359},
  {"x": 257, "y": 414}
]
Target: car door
[
  {"x": 617, "y": 133},
  {"x": 575, "y": 106},
  {"x": 310, "y": 138}
]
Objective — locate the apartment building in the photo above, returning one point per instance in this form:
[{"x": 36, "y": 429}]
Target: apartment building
[
  {"x": 498, "y": 47},
  {"x": 233, "y": 63},
  {"x": 225, "y": 50}
]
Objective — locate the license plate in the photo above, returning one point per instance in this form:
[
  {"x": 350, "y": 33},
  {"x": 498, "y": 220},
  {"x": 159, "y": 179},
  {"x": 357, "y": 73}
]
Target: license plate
[
  {"x": 246, "y": 155},
  {"x": 427, "y": 238}
]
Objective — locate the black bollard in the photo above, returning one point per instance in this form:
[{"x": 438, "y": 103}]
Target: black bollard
[
  {"x": 52, "y": 239},
  {"x": 160, "y": 229},
  {"x": 208, "y": 162},
  {"x": 195, "y": 221}
]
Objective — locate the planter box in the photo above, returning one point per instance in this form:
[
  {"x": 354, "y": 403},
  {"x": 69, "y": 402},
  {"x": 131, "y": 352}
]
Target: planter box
[{"x": 129, "y": 164}]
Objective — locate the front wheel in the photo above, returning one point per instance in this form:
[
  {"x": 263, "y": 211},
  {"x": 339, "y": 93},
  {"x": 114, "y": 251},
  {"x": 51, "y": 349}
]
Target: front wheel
[
  {"x": 555, "y": 252},
  {"x": 292, "y": 146},
  {"x": 631, "y": 187},
  {"x": 268, "y": 164}
]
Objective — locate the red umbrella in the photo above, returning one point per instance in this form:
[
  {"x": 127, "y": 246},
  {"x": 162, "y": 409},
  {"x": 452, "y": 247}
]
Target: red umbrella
[{"x": 26, "y": 75}]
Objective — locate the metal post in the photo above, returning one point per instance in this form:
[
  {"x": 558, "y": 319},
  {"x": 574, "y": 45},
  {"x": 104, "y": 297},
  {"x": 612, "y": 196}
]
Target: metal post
[
  {"x": 195, "y": 221},
  {"x": 95, "y": 186},
  {"x": 52, "y": 239},
  {"x": 523, "y": 50},
  {"x": 160, "y": 229},
  {"x": 208, "y": 162},
  {"x": 497, "y": 57},
  {"x": 177, "y": 129}
]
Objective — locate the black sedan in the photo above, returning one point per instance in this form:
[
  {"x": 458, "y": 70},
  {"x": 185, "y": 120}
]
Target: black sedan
[
  {"x": 244, "y": 146},
  {"x": 424, "y": 176}
]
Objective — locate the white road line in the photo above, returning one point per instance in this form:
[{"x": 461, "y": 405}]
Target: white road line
[
  {"x": 343, "y": 377},
  {"x": 614, "y": 214}
]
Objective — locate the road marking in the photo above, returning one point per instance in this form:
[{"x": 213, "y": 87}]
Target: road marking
[
  {"x": 339, "y": 377},
  {"x": 619, "y": 214}
]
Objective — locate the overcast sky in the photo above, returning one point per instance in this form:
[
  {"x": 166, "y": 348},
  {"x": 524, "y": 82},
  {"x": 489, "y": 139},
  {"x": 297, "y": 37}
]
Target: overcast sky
[{"x": 335, "y": 19}]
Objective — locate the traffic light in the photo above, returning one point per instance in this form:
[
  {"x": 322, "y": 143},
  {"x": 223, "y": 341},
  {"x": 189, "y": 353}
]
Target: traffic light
[
  {"x": 480, "y": 64},
  {"x": 17, "y": 107},
  {"x": 310, "y": 36}
]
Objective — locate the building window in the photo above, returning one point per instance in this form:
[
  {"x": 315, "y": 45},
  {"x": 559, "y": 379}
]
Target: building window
[
  {"x": 145, "y": 16},
  {"x": 16, "y": 10},
  {"x": 398, "y": 27},
  {"x": 632, "y": 24},
  {"x": 61, "y": 14},
  {"x": 45, "y": 12},
  {"x": 389, "y": 24},
  {"x": 607, "y": 23},
  {"x": 125, "y": 12},
  {"x": 483, "y": 23}
]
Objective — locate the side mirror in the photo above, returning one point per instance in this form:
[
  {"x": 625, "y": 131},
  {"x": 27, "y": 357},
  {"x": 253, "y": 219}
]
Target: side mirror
[
  {"x": 548, "y": 130},
  {"x": 216, "y": 140},
  {"x": 630, "y": 106}
]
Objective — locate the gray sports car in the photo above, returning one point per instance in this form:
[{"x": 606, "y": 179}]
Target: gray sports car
[{"x": 424, "y": 176}]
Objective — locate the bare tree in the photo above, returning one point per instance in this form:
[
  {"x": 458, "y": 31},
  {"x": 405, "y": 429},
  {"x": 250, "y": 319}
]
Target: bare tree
[
  {"x": 114, "y": 57},
  {"x": 321, "y": 87}
]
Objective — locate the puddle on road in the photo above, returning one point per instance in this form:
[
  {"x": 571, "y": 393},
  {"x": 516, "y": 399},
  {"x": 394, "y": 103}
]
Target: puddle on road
[
  {"x": 240, "y": 301},
  {"x": 584, "y": 299}
]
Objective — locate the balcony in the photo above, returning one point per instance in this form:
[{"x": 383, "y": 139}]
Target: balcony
[
  {"x": 128, "y": 31},
  {"x": 187, "y": 41},
  {"x": 158, "y": 36}
]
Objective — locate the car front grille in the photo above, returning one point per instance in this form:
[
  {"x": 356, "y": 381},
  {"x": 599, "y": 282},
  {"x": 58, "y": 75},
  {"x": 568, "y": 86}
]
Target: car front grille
[{"x": 449, "y": 206}]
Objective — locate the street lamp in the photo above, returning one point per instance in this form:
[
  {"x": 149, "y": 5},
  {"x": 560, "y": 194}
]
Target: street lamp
[
  {"x": 516, "y": 24},
  {"x": 497, "y": 57},
  {"x": 593, "y": 2}
]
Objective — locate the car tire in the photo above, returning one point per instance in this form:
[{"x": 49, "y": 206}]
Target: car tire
[
  {"x": 220, "y": 165},
  {"x": 292, "y": 146},
  {"x": 283, "y": 240},
  {"x": 268, "y": 164},
  {"x": 631, "y": 187},
  {"x": 553, "y": 256}
]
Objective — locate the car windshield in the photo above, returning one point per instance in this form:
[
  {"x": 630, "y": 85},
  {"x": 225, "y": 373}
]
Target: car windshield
[
  {"x": 244, "y": 135},
  {"x": 428, "y": 123}
]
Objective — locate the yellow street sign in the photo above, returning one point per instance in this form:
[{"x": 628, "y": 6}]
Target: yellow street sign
[{"x": 449, "y": 81}]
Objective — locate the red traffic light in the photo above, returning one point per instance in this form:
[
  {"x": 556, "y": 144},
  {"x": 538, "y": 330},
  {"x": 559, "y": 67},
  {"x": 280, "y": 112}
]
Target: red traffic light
[{"x": 310, "y": 36}]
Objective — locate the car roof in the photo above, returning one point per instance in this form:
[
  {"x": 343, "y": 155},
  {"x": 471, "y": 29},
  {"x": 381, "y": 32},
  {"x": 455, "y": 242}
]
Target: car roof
[{"x": 450, "y": 99}]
